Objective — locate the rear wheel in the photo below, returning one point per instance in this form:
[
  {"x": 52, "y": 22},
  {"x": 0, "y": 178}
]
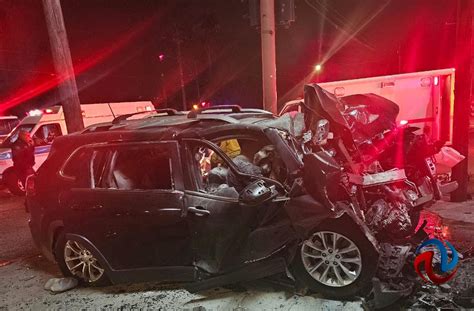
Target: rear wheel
[
  {"x": 76, "y": 260},
  {"x": 336, "y": 260}
]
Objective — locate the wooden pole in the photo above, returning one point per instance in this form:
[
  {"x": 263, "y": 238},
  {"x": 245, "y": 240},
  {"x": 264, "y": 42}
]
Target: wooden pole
[
  {"x": 67, "y": 87},
  {"x": 267, "y": 22},
  {"x": 463, "y": 87},
  {"x": 178, "y": 40}
]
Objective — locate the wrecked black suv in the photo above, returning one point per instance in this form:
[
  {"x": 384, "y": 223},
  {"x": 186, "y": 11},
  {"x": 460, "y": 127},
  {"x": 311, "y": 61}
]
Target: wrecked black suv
[{"x": 210, "y": 197}]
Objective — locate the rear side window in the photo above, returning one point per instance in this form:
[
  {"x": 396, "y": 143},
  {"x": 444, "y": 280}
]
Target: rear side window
[{"x": 141, "y": 167}]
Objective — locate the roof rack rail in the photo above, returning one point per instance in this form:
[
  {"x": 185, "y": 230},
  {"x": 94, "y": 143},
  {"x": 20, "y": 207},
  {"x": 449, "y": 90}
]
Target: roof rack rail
[
  {"x": 168, "y": 111},
  {"x": 222, "y": 109},
  {"x": 234, "y": 108}
]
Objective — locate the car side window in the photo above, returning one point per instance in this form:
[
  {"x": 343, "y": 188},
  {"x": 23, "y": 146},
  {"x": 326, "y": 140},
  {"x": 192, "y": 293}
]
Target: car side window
[
  {"x": 77, "y": 167},
  {"x": 212, "y": 174},
  {"x": 141, "y": 167},
  {"x": 98, "y": 167},
  {"x": 255, "y": 156},
  {"x": 46, "y": 134}
]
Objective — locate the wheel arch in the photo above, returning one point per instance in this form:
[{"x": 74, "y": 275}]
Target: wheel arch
[
  {"x": 351, "y": 217},
  {"x": 54, "y": 230},
  {"x": 8, "y": 170},
  {"x": 307, "y": 214}
]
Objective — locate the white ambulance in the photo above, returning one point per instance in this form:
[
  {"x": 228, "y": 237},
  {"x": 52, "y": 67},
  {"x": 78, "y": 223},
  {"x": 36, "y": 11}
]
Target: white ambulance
[
  {"x": 425, "y": 98},
  {"x": 44, "y": 125}
]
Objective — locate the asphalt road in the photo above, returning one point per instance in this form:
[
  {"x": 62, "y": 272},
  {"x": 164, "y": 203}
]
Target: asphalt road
[{"x": 15, "y": 239}]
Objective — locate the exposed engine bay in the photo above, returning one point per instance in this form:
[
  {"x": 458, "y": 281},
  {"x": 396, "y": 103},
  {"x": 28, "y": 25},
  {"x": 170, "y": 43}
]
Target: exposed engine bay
[{"x": 385, "y": 173}]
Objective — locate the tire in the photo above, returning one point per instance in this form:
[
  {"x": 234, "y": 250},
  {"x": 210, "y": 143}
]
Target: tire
[
  {"x": 13, "y": 183},
  {"x": 324, "y": 278},
  {"x": 67, "y": 248}
]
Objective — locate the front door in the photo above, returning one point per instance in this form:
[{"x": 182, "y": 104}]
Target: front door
[
  {"x": 130, "y": 206},
  {"x": 220, "y": 228},
  {"x": 219, "y": 222}
]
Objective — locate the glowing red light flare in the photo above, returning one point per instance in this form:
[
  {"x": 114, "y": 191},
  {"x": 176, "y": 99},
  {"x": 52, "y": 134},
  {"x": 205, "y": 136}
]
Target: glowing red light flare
[
  {"x": 29, "y": 91},
  {"x": 161, "y": 57},
  {"x": 403, "y": 122}
]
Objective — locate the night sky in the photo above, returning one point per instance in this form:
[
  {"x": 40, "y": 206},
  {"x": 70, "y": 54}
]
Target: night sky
[{"x": 115, "y": 46}]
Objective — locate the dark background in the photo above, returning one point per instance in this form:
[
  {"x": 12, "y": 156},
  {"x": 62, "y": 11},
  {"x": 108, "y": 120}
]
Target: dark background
[{"x": 115, "y": 46}]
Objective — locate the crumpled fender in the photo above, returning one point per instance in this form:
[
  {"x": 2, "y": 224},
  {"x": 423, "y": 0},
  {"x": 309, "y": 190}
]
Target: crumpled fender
[
  {"x": 342, "y": 210},
  {"x": 306, "y": 213}
]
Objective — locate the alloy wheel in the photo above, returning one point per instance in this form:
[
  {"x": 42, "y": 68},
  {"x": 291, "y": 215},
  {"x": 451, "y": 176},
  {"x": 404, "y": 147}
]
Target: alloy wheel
[
  {"x": 81, "y": 263},
  {"x": 331, "y": 258}
]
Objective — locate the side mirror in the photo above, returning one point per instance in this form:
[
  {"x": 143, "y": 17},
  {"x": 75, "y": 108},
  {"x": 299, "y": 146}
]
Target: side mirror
[
  {"x": 257, "y": 193},
  {"x": 321, "y": 134}
]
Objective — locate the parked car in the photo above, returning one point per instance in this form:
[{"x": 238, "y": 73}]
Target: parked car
[{"x": 212, "y": 197}]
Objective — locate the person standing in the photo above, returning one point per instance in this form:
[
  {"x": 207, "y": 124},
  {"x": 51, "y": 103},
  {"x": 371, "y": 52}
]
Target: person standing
[{"x": 23, "y": 156}]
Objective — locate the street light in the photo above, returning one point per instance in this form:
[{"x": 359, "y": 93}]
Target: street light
[{"x": 318, "y": 67}]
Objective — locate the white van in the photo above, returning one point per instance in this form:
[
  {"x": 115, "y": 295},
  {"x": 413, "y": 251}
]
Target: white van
[{"x": 44, "y": 125}]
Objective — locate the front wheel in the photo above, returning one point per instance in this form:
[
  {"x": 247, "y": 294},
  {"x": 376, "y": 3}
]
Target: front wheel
[
  {"x": 336, "y": 260},
  {"x": 76, "y": 260}
]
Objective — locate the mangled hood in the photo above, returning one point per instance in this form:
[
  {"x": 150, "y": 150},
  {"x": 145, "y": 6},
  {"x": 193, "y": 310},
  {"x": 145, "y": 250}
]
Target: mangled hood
[{"x": 364, "y": 115}]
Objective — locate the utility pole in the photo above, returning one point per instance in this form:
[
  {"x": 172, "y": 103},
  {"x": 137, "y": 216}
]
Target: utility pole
[
  {"x": 196, "y": 77},
  {"x": 463, "y": 88},
  {"x": 177, "y": 39},
  {"x": 63, "y": 65},
  {"x": 267, "y": 33}
]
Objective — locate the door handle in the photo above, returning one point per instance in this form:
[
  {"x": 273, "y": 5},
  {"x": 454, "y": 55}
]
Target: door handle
[
  {"x": 83, "y": 207},
  {"x": 199, "y": 211}
]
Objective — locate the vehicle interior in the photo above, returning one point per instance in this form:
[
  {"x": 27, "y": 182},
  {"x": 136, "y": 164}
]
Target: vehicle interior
[
  {"x": 249, "y": 155},
  {"x": 152, "y": 172},
  {"x": 143, "y": 168}
]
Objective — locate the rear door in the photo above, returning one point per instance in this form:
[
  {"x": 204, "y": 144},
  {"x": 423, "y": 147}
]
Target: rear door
[{"x": 128, "y": 203}]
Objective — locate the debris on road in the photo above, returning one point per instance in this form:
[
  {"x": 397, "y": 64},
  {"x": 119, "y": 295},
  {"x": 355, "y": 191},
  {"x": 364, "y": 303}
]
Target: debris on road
[
  {"x": 59, "y": 285},
  {"x": 465, "y": 298}
]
